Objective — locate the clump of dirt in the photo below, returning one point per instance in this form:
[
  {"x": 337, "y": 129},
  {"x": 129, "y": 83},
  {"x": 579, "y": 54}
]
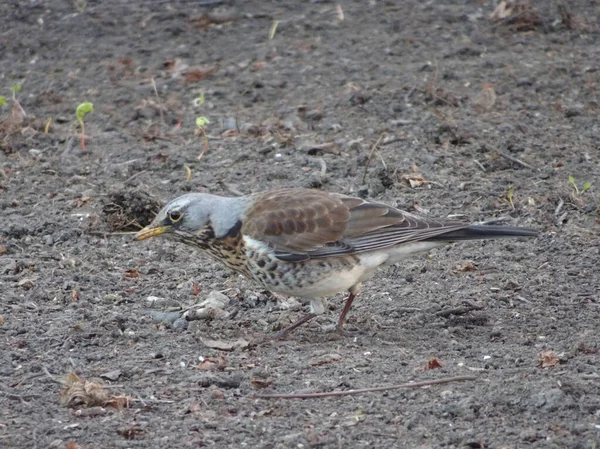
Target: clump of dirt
[{"x": 129, "y": 210}]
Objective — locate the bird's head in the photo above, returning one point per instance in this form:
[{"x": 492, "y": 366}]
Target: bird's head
[
  {"x": 185, "y": 218},
  {"x": 196, "y": 218}
]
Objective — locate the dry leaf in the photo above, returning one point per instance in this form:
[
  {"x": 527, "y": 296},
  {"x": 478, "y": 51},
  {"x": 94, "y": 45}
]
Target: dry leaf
[
  {"x": 213, "y": 363},
  {"x": 433, "y": 364},
  {"x": 548, "y": 359},
  {"x": 82, "y": 393},
  {"x": 259, "y": 382},
  {"x": 195, "y": 74},
  {"x": 132, "y": 273},
  {"x": 414, "y": 180}
]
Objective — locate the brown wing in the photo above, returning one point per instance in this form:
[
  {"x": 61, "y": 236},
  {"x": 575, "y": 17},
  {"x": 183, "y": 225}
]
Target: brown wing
[{"x": 300, "y": 224}]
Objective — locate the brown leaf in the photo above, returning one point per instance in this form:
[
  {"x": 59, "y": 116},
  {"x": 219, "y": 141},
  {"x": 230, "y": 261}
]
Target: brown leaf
[
  {"x": 414, "y": 180},
  {"x": 196, "y": 289},
  {"x": 3, "y": 249},
  {"x": 259, "y": 382},
  {"x": 132, "y": 273},
  {"x": 433, "y": 364},
  {"x": 213, "y": 363},
  {"x": 548, "y": 359},
  {"x": 72, "y": 445},
  {"x": 82, "y": 393},
  {"x": 195, "y": 74}
]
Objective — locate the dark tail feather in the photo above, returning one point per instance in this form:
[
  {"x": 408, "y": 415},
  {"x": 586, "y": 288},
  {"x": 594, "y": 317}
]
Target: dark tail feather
[{"x": 480, "y": 232}]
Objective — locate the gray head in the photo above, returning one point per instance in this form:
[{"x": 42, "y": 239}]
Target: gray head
[{"x": 196, "y": 217}]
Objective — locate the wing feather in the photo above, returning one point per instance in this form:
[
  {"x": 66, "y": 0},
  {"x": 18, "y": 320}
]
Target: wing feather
[{"x": 301, "y": 224}]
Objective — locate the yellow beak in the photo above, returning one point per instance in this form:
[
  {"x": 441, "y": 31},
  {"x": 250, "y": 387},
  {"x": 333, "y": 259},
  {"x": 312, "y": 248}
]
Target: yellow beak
[{"x": 148, "y": 232}]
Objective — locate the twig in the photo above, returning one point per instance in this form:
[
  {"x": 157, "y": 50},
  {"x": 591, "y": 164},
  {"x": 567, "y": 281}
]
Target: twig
[
  {"x": 110, "y": 234},
  {"x": 480, "y": 165},
  {"x": 561, "y": 203},
  {"x": 515, "y": 160},
  {"x": 162, "y": 119},
  {"x": 373, "y": 148},
  {"x": 327, "y": 394},
  {"x": 52, "y": 377},
  {"x": 458, "y": 310}
]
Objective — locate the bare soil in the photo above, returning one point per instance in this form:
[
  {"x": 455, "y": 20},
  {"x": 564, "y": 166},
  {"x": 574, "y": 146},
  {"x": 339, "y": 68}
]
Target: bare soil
[{"x": 488, "y": 117}]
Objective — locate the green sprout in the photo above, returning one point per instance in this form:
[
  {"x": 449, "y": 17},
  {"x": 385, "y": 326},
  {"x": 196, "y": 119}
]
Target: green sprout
[
  {"x": 16, "y": 88},
  {"x": 82, "y": 110},
  {"x": 509, "y": 197},
  {"x": 201, "y": 122},
  {"x": 585, "y": 187},
  {"x": 199, "y": 101}
]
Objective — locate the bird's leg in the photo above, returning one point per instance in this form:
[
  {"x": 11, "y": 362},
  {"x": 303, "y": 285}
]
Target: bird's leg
[
  {"x": 317, "y": 307},
  {"x": 284, "y": 332},
  {"x": 353, "y": 292}
]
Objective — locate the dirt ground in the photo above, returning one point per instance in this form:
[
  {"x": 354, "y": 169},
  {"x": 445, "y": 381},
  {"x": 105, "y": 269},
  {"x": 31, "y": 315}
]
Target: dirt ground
[{"x": 435, "y": 107}]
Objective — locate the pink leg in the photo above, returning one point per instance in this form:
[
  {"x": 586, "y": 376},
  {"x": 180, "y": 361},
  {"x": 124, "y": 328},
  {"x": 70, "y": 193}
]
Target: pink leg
[{"x": 347, "y": 306}]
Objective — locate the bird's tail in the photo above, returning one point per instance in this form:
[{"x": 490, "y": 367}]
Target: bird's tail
[{"x": 480, "y": 232}]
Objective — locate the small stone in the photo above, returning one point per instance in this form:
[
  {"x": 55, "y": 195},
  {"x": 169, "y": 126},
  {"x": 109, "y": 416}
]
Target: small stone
[
  {"x": 48, "y": 240},
  {"x": 111, "y": 375}
]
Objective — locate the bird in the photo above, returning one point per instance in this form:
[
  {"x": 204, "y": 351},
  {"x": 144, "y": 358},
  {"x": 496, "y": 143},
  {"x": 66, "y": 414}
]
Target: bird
[{"x": 307, "y": 243}]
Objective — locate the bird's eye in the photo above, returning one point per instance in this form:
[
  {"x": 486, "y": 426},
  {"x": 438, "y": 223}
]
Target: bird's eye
[{"x": 175, "y": 216}]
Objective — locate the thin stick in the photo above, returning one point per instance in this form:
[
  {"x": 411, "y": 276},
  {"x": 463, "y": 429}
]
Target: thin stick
[
  {"x": 515, "y": 160},
  {"x": 109, "y": 234},
  {"x": 326, "y": 394},
  {"x": 205, "y": 147},
  {"x": 82, "y": 135},
  {"x": 373, "y": 148}
]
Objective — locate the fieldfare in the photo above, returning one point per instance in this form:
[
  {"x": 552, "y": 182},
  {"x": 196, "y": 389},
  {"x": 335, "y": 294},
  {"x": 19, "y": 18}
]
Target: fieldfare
[{"x": 308, "y": 243}]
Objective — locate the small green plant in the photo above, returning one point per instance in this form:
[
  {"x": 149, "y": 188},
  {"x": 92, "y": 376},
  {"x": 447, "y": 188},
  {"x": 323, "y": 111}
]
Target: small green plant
[
  {"x": 201, "y": 123},
  {"x": 509, "y": 197},
  {"x": 82, "y": 110},
  {"x": 585, "y": 187},
  {"x": 199, "y": 100},
  {"x": 16, "y": 88}
]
